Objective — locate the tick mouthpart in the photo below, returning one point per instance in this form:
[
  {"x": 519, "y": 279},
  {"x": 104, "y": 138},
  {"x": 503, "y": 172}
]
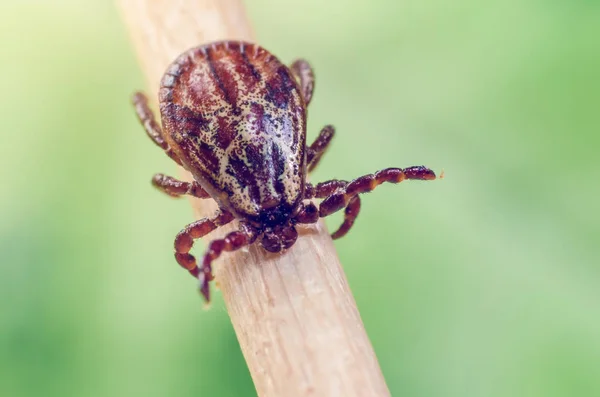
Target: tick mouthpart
[{"x": 279, "y": 238}]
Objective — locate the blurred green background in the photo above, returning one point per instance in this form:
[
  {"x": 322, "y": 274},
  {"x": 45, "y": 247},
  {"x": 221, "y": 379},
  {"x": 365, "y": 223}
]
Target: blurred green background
[{"x": 486, "y": 283}]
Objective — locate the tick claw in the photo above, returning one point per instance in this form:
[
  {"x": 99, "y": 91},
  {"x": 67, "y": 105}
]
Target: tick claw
[{"x": 204, "y": 286}]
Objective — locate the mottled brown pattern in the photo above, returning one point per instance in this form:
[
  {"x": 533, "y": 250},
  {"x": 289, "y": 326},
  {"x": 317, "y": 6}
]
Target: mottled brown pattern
[{"x": 235, "y": 117}]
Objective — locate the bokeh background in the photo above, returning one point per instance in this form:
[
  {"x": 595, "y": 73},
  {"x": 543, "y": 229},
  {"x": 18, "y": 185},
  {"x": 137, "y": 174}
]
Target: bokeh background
[{"x": 486, "y": 283}]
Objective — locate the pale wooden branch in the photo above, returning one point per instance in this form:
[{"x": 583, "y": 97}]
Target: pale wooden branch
[{"x": 296, "y": 320}]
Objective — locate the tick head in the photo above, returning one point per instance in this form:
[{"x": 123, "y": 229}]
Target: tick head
[
  {"x": 275, "y": 239},
  {"x": 278, "y": 231}
]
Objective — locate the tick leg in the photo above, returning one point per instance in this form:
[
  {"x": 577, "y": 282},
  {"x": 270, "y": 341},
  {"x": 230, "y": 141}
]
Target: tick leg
[
  {"x": 309, "y": 213},
  {"x": 232, "y": 242},
  {"x": 323, "y": 190},
  {"x": 305, "y": 76},
  {"x": 319, "y": 146},
  {"x": 176, "y": 188},
  {"x": 146, "y": 117},
  {"x": 350, "y": 214},
  {"x": 342, "y": 194},
  {"x": 195, "y": 230}
]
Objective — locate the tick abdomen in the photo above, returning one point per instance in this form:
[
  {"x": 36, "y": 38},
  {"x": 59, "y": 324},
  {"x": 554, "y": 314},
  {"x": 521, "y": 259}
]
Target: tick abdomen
[{"x": 236, "y": 119}]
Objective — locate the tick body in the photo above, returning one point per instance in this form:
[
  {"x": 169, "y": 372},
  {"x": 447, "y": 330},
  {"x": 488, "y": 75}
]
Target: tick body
[{"x": 235, "y": 117}]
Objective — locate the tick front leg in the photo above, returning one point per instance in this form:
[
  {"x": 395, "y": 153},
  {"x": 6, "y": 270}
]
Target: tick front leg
[
  {"x": 326, "y": 189},
  {"x": 146, "y": 117},
  {"x": 195, "y": 230},
  {"x": 176, "y": 188},
  {"x": 319, "y": 146},
  {"x": 350, "y": 215},
  {"x": 232, "y": 242},
  {"x": 345, "y": 195},
  {"x": 305, "y": 76}
]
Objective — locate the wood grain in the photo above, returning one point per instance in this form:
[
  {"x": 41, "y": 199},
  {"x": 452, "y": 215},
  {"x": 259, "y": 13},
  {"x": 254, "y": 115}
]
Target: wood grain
[{"x": 294, "y": 315}]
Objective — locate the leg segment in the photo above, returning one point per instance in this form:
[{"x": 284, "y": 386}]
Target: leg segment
[
  {"x": 319, "y": 146},
  {"x": 305, "y": 76},
  {"x": 342, "y": 197},
  {"x": 350, "y": 214},
  {"x": 195, "y": 230},
  {"x": 146, "y": 117},
  {"x": 326, "y": 189},
  {"x": 308, "y": 214},
  {"x": 232, "y": 242},
  {"x": 177, "y": 188}
]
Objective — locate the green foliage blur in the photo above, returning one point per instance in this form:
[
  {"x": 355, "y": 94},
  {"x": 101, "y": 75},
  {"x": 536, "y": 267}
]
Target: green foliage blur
[{"x": 485, "y": 283}]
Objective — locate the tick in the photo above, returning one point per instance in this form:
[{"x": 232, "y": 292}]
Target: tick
[{"x": 234, "y": 116}]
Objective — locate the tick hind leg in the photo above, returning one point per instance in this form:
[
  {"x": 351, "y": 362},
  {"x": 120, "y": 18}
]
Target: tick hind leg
[
  {"x": 305, "y": 76},
  {"x": 341, "y": 194},
  {"x": 195, "y": 230},
  {"x": 146, "y": 117},
  {"x": 232, "y": 242},
  {"x": 315, "y": 151},
  {"x": 176, "y": 188}
]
